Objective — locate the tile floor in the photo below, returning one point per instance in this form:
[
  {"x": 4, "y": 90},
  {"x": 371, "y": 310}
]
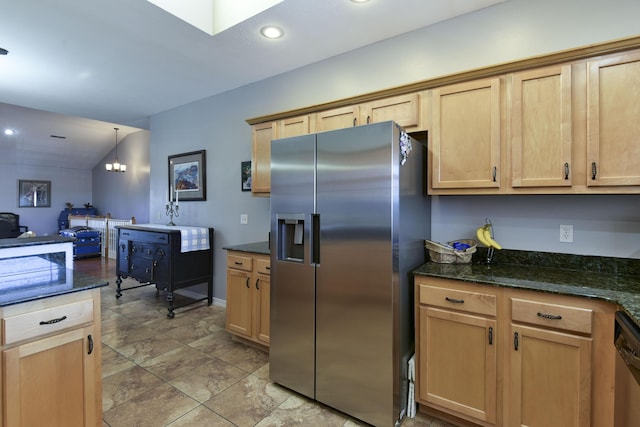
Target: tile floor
[{"x": 187, "y": 371}]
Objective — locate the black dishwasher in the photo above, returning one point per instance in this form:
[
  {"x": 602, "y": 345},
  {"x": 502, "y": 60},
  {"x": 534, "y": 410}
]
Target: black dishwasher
[{"x": 627, "y": 342}]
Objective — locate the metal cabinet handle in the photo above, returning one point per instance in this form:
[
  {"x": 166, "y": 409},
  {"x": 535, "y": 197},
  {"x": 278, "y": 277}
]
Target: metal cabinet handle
[
  {"x": 90, "y": 339},
  {"x": 454, "y": 300},
  {"x": 247, "y": 284},
  {"x": 52, "y": 321},
  {"x": 494, "y": 173},
  {"x": 258, "y": 284},
  {"x": 566, "y": 171},
  {"x": 355, "y": 121},
  {"x": 490, "y": 335},
  {"x": 516, "y": 341},
  {"x": 237, "y": 263},
  {"x": 549, "y": 316},
  {"x": 368, "y": 119},
  {"x": 594, "y": 171},
  {"x": 267, "y": 268}
]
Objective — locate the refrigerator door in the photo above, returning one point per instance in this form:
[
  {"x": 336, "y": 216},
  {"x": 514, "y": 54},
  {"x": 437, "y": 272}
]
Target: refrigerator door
[
  {"x": 292, "y": 347},
  {"x": 355, "y": 276}
]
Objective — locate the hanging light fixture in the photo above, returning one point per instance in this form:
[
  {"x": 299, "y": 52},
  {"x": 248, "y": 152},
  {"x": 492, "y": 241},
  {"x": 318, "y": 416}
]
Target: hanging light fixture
[{"x": 116, "y": 166}]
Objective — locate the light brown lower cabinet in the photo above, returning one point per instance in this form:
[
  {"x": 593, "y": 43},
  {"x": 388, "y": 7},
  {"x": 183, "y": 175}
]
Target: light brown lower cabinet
[
  {"x": 248, "y": 296},
  {"x": 51, "y": 371},
  {"x": 493, "y": 356}
]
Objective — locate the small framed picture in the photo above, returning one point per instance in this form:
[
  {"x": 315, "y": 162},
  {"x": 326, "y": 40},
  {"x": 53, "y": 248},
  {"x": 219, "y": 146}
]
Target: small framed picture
[
  {"x": 245, "y": 172},
  {"x": 34, "y": 194},
  {"x": 188, "y": 175}
]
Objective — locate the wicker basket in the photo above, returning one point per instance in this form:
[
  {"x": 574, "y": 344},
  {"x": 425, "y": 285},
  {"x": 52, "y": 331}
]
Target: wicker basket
[{"x": 447, "y": 255}]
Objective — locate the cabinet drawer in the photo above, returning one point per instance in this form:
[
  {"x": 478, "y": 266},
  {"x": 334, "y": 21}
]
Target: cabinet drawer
[
  {"x": 263, "y": 266},
  {"x": 240, "y": 262},
  {"x": 470, "y": 302},
  {"x": 573, "y": 319},
  {"x": 143, "y": 236},
  {"x": 41, "y": 322}
]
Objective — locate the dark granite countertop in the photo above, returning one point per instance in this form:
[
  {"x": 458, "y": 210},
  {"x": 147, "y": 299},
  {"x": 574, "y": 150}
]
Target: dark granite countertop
[
  {"x": 32, "y": 241},
  {"x": 68, "y": 281},
  {"x": 256, "y": 247},
  {"x": 616, "y": 280}
]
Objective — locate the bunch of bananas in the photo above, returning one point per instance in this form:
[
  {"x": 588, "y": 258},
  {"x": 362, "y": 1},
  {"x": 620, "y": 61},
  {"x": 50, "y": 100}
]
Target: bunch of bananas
[{"x": 484, "y": 236}]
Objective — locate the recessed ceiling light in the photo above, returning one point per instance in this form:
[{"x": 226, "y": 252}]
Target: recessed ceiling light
[
  {"x": 272, "y": 32},
  {"x": 9, "y": 131},
  {"x": 359, "y": 1}
]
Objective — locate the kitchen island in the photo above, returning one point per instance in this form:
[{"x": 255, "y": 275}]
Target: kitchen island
[
  {"x": 50, "y": 336},
  {"x": 528, "y": 338}
]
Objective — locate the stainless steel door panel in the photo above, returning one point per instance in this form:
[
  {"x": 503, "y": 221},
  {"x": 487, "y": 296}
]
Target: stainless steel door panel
[
  {"x": 354, "y": 288},
  {"x": 292, "y": 347}
]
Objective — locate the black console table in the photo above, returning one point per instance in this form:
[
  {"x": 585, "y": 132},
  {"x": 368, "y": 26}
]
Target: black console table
[{"x": 168, "y": 257}]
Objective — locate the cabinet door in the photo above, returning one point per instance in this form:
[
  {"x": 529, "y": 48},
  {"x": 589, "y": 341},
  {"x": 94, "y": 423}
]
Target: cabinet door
[
  {"x": 541, "y": 134},
  {"x": 51, "y": 382},
  {"x": 338, "y": 118},
  {"x": 262, "y": 134},
  {"x": 403, "y": 109},
  {"x": 294, "y": 126},
  {"x": 613, "y": 128},
  {"x": 550, "y": 378},
  {"x": 457, "y": 366},
  {"x": 466, "y": 129},
  {"x": 239, "y": 302},
  {"x": 263, "y": 291}
]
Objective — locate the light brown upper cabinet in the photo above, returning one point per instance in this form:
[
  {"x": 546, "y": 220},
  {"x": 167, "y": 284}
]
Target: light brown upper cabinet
[
  {"x": 541, "y": 128},
  {"x": 262, "y": 134},
  {"x": 338, "y": 118},
  {"x": 613, "y": 125},
  {"x": 465, "y": 137},
  {"x": 403, "y": 109},
  {"x": 294, "y": 126}
]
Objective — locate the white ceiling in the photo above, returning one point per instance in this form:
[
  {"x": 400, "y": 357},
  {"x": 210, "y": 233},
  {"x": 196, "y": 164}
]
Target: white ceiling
[{"x": 100, "y": 63}]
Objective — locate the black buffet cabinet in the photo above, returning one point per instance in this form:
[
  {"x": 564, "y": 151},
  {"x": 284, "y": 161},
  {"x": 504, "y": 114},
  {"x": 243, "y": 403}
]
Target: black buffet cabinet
[{"x": 156, "y": 255}]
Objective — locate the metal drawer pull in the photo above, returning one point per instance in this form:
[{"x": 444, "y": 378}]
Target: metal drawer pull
[
  {"x": 455, "y": 301},
  {"x": 494, "y": 173},
  {"x": 516, "y": 341},
  {"x": 247, "y": 284},
  {"x": 594, "y": 171},
  {"x": 566, "y": 171},
  {"x": 237, "y": 263},
  {"x": 490, "y": 335},
  {"x": 267, "y": 268},
  {"x": 52, "y": 321},
  {"x": 550, "y": 316},
  {"x": 90, "y": 338},
  {"x": 258, "y": 284}
]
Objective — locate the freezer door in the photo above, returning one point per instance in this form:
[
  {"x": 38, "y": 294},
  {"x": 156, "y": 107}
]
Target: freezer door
[
  {"x": 292, "y": 348},
  {"x": 355, "y": 275}
]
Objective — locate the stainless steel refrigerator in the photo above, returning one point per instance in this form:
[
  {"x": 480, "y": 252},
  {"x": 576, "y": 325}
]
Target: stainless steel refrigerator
[{"x": 349, "y": 217}]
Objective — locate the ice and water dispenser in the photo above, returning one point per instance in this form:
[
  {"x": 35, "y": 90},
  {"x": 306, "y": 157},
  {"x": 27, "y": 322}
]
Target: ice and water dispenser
[{"x": 290, "y": 235}]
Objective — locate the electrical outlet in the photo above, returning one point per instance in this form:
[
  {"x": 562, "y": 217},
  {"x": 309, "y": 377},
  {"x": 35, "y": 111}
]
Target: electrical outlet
[
  {"x": 566, "y": 233},
  {"x": 244, "y": 219}
]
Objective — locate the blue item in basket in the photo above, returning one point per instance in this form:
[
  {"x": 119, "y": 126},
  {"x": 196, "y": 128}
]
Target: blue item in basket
[{"x": 459, "y": 246}]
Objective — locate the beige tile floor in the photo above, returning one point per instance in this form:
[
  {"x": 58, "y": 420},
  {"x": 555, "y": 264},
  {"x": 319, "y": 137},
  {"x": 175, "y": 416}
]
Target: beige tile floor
[{"x": 187, "y": 371}]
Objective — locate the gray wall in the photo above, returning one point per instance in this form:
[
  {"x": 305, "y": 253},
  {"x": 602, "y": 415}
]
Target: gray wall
[
  {"x": 125, "y": 195},
  {"x": 509, "y": 31}
]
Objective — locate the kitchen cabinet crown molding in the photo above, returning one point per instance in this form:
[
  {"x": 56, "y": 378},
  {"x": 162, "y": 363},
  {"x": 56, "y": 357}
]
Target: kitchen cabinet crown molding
[{"x": 563, "y": 56}]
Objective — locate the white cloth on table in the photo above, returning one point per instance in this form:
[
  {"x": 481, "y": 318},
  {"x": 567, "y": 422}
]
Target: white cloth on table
[{"x": 191, "y": 238}]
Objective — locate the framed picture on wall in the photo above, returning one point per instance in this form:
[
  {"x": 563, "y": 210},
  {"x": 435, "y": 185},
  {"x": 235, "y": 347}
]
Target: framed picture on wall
[
  {"x": 34, "y": 194},
  {"x": 188, "y": 176},
  {"x": 245, "y": 175}
]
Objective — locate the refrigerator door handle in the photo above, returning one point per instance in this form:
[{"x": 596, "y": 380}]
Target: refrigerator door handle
[{"x": 315, "y": 239}]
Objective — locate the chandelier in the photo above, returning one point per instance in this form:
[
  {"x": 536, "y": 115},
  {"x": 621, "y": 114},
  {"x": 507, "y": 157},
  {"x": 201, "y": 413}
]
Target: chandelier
[{"x": 116, "y": 166}]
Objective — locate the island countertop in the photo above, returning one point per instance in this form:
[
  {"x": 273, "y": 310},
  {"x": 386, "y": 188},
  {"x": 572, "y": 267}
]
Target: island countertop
[
  {"x": 609, "y": 279},
  {"x": 68, "y": 281}
]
